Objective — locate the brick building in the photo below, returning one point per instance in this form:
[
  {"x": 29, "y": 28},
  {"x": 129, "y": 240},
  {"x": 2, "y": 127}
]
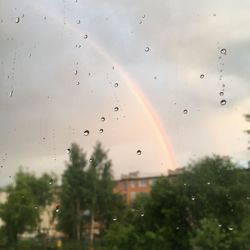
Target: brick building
[{"x": 129, "y": 186}]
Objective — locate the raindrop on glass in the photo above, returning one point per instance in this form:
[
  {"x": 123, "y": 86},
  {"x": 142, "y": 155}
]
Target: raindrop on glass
[
  {"x": 90, "y": 159},
  {"x": 142, "y": 214},
  {"x": 86, "y": 132},
  {"x": 193, "y": 198},
  {"x": 116, "y": 109},
  {"x": 78, "y": 83},
  {"x": 147, "y": 49},
  {"x": 223, "y": 102},
  {"x": 202, "y": 76},
  {"x": 114, "y": 218},
  {"x": 17, "y": 20},
  {"x": 57, "y": 208},
  {"x": 102, "y": 118},
  {"x": 223, "y": 51},
  {"x": 85, "y": 36},
  {"x": 11, "y": 93},
  {"x": 79, "y": 21},
  {"x": 230, "y": 229},
  {"x": 185, "y": 111},
  {"x": 116, "y": 85},
  {"x": 68, "y": 150},
  {"x": 221, "y": 93},
  {"x": 144, "y": 16},
  {"x": 208, "y": 183},
  {"x": 101, "y": 131},
  {"x": 50, "y": 181},
  {"x": 138, "y": 152},
  {"x": 75, "y": 72}
]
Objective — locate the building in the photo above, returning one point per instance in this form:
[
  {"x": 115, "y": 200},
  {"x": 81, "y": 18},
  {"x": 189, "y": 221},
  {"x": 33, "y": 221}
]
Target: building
[{"x": 129, "y": 186}]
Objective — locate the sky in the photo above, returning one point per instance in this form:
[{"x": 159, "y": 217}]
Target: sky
[{"x": 60, "y": 60}]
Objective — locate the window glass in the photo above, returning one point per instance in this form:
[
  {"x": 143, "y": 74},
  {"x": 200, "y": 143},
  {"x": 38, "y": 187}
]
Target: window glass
[{"x": 101, "y": 101}]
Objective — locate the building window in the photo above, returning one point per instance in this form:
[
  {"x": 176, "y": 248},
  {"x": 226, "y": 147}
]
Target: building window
[
  {"x": 143, "y": 183},
  {"x": 125, "y": 185},
  {"x": 152, "y": 182},
  {"x": 133, "y": 195},
  {"x": 133, "y": 184}
]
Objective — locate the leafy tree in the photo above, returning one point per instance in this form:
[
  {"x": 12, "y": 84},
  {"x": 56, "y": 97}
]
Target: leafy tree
[
  {"x": 210, "y": 236},
  {"x": 73, "y": 194},
  {"x": 185, "y": 211},
  {"x": 26, "y": 199}
]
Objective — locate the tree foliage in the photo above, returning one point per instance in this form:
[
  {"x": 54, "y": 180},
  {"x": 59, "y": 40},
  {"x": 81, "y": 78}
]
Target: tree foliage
[
  {"x": 206, "y": 207},
  {"x": 26, "y": 198}
]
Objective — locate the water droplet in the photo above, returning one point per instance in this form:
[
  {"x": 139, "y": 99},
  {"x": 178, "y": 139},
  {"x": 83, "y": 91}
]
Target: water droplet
[
  {"x": 51, "y": 181},
  {"x": 208, "y": 183},
  {"x": 138, "y": 152},
  {"x": 219, "y": 225},
  {"x": 101, "y": 131},
  {"x": 202, "y": 76},
  {"x": 57, "y": 208},
  {"x": 114, "y": 218},
  {"x": 223, "y": 51},
  {"x": 36, "y": 207},
  {"x": 85, "y": 36},
  {"x": 90, "y": 159},
  {"x": 68, "y": 150},
  {"x": 17, "y": 20},
  {"x": 116, "y": 109},
  {"x": 248, "y": 198},
  {"x": 144, "y": 16},
  {"x": 214, "y": 14},
  {"x": 44, "y": 138},
  {"x": 116, "y": 85},
  {"x": 44, "y": 17},
  {"x": 230, "y": 229},
  {"x": 155, "y": 77},
  {"x": 185, "y": 184},
  {"x": 79, "y": 21},
  {"x": 86, "y": 132},
  {"x": 11, "y": 93},
  {"x": 78, "y": 83},
  {"x": 75, "y": 72},
  {"x": 223, "y": 102},
  {"x": 221, "y": 93},
  {"x": 142, "y": 214},
  {"x": 185, "y": 111},
  {"x": 147, "y": 49},
  {"x": 1, "y": 166},
  {"x": 22, "y": 15},
  {"x": 102, "y": 118}
]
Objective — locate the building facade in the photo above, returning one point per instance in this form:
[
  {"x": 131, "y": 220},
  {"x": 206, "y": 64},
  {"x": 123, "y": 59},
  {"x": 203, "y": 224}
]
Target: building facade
[{"x": 131, "y": 185}]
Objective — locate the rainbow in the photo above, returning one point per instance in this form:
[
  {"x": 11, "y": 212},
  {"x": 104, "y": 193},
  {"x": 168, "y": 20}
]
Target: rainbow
[{"x": 134, "y": 88}]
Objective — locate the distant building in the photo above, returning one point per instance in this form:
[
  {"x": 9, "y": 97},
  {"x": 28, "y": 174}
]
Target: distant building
[{"x": 129, "y": 186}]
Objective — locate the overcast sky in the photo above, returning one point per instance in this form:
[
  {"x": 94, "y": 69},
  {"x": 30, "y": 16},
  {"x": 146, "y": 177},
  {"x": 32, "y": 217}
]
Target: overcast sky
[{"x": 43, "y": 108}]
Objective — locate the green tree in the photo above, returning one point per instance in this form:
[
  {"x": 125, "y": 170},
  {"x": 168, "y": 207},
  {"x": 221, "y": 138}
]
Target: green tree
[
  {"x": 209, "y": 202},
  {"x": 25, "y": 200},
  {"x": 104, "y": 204},
  {"x": 74, "y": 193}
]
